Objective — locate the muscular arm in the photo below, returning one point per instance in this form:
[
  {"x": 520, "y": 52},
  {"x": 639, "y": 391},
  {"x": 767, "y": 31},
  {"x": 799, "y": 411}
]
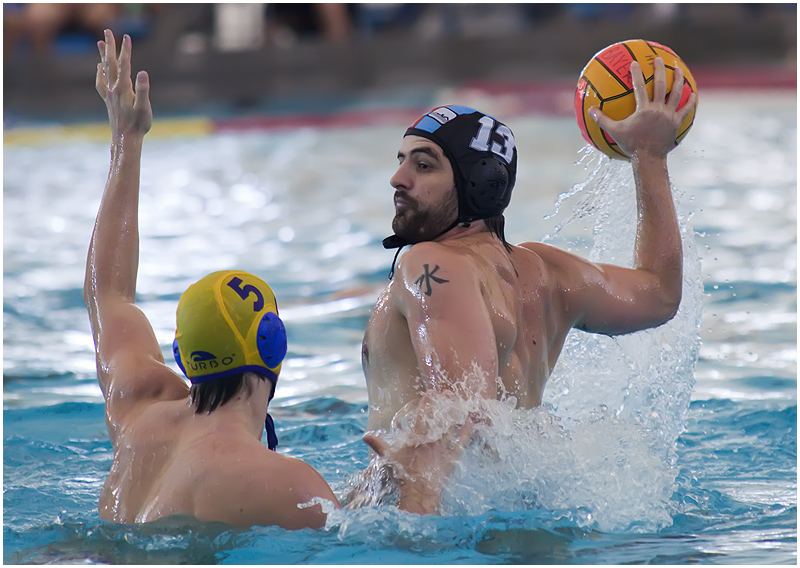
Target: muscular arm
[
  {"x": 124, "y": 339},
  {"x": 448, "y": 322},
  {"x": 453, "y": 339},
  {"x": 609, "y": 299}
]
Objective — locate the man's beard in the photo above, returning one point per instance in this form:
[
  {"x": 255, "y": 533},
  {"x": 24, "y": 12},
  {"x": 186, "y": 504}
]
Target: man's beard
[{"x": 416, "y": 226}]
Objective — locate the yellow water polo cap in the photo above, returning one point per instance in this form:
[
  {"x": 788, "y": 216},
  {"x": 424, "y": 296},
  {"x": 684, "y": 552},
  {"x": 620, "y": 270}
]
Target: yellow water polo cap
[{"x": 227, "y": 323}]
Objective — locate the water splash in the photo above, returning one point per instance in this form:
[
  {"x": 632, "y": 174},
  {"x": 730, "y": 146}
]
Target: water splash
[{"x": 645, "y": 378}]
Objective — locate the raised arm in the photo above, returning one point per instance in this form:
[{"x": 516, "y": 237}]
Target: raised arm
[
  {"x": 122, "y": 335},
  {"x": 610, "y": 299}
]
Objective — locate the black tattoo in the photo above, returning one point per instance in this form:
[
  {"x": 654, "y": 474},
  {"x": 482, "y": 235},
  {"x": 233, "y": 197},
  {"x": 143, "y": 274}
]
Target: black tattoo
[{"x": 427, "y": 277}]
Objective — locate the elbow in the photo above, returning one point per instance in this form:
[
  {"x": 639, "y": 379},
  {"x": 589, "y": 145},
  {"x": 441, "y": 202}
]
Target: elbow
[
  {"x": 669, "y": 307},
  {"x": 668, "y": 291}
]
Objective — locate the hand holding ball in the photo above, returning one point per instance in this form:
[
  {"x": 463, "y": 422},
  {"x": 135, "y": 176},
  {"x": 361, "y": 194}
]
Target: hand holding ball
[{"x": 606, "y": 83}]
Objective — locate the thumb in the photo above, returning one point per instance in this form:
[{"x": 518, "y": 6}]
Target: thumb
[
  {"x": 142, "y": 90},
  {"x": 600, "y": 118},
  {"x": 378, "y": 444}
]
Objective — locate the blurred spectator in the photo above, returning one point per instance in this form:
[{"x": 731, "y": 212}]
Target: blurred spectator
[
  {"x": 540, "y": 14},
  {"x": 13, "y": 28},
  {"x": 42, "y": 24},
  {"x": 373, "y": 18},
  {"x": 590, "y": 12},
  {"x": 286, "y": 23}
]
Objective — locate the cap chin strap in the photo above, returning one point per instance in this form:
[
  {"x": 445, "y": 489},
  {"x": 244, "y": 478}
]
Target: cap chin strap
[
  {"x": 272, "y": 437},
  {"x": 394, "y": 241},
  {"x": 269, "y": 424}
]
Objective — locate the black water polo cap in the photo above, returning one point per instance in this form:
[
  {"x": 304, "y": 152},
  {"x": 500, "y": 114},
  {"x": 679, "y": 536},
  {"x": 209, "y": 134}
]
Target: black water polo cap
[{"x": 482, "y": 152}]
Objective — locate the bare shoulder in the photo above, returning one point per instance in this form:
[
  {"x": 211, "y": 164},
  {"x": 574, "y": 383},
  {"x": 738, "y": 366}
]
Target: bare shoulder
[
  {"x": 433, "y": 263},
  {"x": 424, "y": 253},
  {"x": 130, "y": 364},
  {"x": 138, "y": 380},
  {"x": 547, "y": 253},
  {"x": 256, "y": 486},
  {"x": 434, "y": 275},
  {"x": 557, "y": 262}
]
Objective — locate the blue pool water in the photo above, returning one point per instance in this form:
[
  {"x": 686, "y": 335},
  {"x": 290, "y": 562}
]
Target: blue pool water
[{"x": 677, "y": 445}]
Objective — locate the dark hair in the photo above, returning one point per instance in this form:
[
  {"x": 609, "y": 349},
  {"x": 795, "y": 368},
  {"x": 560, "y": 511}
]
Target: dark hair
[
  {"x": 207, "y": 397},
  {"x": 497, "y": 225}
]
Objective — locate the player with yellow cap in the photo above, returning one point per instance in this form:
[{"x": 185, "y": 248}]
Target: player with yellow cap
[
  {"x": 179, "y": 449},
  {"x": 228, "y": 325}
]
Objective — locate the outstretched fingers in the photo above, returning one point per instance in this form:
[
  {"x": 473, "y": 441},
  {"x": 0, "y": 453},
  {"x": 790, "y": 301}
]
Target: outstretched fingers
[
  {"x": 125, "y": 60},
  {"x": 677, "y": 89},
  {"x": 659, "y": 80},
  {"x": 687, "y": 108},
  {"x": 100, "y": 82},
  {"x": 639, "y": 87},
  {"x": 110, "y": 59}
]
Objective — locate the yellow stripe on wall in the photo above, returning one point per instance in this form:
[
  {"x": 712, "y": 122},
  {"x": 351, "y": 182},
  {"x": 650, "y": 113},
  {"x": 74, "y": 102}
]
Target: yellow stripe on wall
[{"x": 101, "y": 132}]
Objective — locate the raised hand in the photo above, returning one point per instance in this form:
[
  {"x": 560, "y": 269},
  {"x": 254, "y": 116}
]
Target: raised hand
[
  {"x": 652, "y": 128},
  {"x": 129, "y": 111}
]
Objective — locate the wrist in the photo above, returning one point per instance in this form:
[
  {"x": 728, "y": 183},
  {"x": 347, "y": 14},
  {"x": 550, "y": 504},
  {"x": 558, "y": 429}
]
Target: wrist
[
  {"x": 127, "y": 139},
  {"x": 644, "y": 158}
]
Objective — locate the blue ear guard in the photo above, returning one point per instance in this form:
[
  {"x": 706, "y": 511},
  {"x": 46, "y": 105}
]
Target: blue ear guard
[
  {"x": 177, "y": 354},
  {"x": 271, "y": 340}
]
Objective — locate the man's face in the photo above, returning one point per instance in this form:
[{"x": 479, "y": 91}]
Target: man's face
[{"x": 425, "y": 199}]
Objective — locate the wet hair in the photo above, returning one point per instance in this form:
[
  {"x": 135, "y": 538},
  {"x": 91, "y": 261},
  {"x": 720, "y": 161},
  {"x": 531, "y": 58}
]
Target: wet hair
[
  {"x": 210, "y": 395},
  {"x": 497, "y": 225}
]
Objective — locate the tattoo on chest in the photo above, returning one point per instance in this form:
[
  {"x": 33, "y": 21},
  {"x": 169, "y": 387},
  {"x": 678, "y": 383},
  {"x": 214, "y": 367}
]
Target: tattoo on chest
[{"x": 427, "y": 277}]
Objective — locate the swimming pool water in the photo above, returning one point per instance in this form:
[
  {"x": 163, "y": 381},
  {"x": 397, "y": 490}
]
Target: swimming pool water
[{"x": 684, "y": 462}]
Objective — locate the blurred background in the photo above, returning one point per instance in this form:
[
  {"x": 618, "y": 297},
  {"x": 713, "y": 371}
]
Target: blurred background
[
  {"x": 234, "y": 59},
  {"x": 308, "y": 208}
]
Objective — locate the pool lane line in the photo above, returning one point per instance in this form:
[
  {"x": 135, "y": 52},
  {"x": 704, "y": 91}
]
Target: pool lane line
[{"x": 101, "y": 132}]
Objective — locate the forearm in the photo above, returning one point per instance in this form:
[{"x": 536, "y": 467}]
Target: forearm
[
  {"x": 658, "y": 239},
  {"x": 113, "y": 260}
]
